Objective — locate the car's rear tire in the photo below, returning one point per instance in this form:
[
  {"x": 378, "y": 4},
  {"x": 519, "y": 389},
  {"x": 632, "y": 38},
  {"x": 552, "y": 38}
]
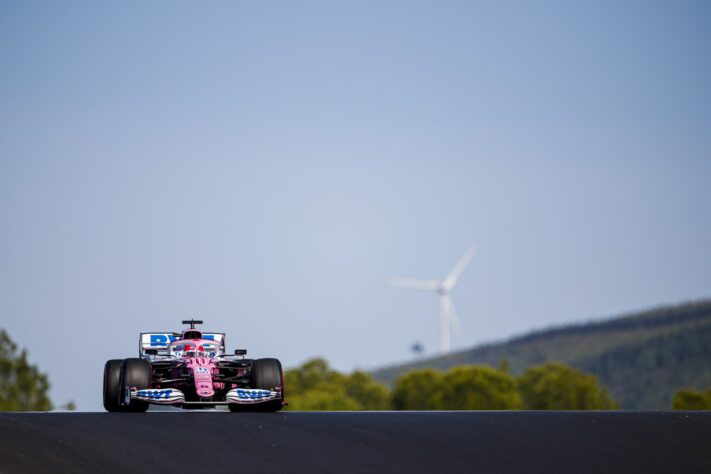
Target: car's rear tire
[
  {"x": 112, "y": 385},
  {"x": 135, "y": 373}
]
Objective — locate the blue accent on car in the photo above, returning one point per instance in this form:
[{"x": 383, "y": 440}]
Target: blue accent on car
[
  {"x": 159, "y": 340},
  {"x": 253, "y": 394},
  {"x": 162, "y": 339},
  {"x": 155, "y": 394}
]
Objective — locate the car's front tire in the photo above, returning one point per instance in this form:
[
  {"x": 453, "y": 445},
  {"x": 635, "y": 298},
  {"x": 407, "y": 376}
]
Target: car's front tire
[
  {"x": 267, "y": 374},
  {"x": 135, "y": 373},
  {"x": 112, "y": 385}
]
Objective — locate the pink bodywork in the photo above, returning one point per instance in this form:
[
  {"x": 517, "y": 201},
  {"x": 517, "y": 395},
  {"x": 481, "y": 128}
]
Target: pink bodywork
[{"x": 202, "y": 368}]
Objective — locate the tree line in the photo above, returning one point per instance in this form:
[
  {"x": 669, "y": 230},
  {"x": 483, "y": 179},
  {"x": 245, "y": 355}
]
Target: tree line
[
  {"x": 316, "y": 386},
  {"x": 551, "y": 386}
]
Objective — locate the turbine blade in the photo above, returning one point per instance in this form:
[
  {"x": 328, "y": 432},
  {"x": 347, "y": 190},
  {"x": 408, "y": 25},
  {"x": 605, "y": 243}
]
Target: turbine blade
[
  {"x": 445, "y": 323},
  {"x": 454, "y": 319},
  {"x": 453, "y": 276},
  {"x": 415, "y": 284}
]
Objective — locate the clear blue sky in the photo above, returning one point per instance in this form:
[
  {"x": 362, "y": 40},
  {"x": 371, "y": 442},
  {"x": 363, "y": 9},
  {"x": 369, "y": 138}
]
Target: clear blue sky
[{"x": 267, "y": 166}]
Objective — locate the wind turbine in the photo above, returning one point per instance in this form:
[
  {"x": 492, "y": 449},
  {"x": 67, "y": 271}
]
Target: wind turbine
[{"x": 447, "y": 315}]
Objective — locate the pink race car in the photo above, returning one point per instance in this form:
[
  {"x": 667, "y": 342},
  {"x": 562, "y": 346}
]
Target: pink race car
[{"x": 191, "y": 370}]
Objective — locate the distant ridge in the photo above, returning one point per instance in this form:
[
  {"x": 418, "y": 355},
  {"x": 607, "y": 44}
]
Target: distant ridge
[{"x": 642, "y": 358}]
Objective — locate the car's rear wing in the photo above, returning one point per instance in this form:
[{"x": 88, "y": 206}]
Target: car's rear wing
[{"x": 159, "y": 341}]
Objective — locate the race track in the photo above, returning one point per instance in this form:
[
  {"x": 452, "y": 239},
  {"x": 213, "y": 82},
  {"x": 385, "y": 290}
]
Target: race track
[{"x": 441, "y": 442}]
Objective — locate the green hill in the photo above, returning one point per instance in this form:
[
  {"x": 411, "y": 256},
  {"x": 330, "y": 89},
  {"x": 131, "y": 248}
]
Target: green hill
[{"x": 641, "y": 358}]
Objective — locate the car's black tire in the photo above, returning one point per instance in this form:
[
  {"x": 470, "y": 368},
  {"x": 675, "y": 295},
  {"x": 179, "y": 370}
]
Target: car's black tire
[
  {"x": 112, "y": 385},
  {"x": 267, "y": 374},
  {"x": 135, "y": 373},
  {"x": 237, "y": 408}
]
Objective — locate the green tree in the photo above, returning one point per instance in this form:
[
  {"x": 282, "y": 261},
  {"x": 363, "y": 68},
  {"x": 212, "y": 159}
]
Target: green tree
[
  {"x": 556, "y": 386},
  {"x": 311, "y": 373},
  {"x": 476, "y": 388},
  {"x": 22, "y": 386},
  {"x": 69, "y": 406},
  {"x": 324, "y": 396},
  {"x": 690, "y": 399},
  {"x": 369, "y": 394},
  {"x": 316, "y": 386},
  {"x": 415, "y": 390}
]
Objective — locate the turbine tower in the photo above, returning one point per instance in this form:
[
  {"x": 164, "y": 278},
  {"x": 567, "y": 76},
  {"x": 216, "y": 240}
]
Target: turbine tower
[{"x": 447, "y": 315}]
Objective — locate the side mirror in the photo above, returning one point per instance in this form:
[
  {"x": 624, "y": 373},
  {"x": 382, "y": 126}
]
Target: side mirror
[
  {"x": 151, "y": 352},
  {"x": 240, "y": 352}
]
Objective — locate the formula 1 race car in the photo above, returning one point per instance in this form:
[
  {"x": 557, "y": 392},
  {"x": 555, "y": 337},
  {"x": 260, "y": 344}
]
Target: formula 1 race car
[{"x": 191, "y": 370}]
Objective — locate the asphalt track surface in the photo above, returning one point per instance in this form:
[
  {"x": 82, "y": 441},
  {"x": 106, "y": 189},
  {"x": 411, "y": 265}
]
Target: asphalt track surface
[{"x": 441, "y": 442}]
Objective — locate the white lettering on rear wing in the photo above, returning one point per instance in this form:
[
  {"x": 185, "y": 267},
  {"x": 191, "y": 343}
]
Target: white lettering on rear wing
[{"x": 159, "y": 340}]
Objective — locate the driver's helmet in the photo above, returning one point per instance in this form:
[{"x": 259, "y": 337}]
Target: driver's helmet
[{"x": 194, "y": 350}]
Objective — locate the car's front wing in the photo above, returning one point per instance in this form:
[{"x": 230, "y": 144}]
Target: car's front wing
[
  {"x": 248, "y": 396},
  {"x": 173, "y": 396}
]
